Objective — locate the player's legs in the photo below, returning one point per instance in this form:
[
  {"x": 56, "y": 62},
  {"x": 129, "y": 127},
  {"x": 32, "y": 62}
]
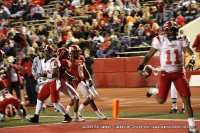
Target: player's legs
[
  {"x": 160, "y": 94},
  {"x": 90, "y": 94},
  {"x": 183, "y": 89},
  {"x": 174, "y": 99},
  {"x": 55, "y": 97},
  {"x": 38, "y": 88},
  {"x": 42, "y": 96},
  {"x": 67, "y": 89}
]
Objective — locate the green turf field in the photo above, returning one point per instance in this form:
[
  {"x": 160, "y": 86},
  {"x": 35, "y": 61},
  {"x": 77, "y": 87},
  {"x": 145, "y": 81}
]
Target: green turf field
[{"x": 55, "y": 117}]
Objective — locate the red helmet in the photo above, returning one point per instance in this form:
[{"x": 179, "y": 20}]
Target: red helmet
[
  {"x": 49, "y": 48},
  {"x": 170, "y": 25},
  {"x": 2, "y": 55},
  {"x": 75, "y": 49},
  {"x": 171, "y": 29},
  {"x": 63, "y": 53}
]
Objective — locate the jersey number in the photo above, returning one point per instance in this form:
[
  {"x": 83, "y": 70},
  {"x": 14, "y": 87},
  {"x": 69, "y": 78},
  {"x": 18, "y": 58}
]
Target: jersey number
[{"x": 168, "y": 52}]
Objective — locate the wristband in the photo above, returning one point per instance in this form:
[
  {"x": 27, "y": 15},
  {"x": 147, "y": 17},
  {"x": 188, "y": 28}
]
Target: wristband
[
  {"x": 193, "y": 57},
  {"x": 192, "y": 62},
  {"x": 140, "y": 68}
]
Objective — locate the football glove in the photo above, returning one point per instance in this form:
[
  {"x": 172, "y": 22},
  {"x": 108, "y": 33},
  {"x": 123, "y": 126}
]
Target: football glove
[{"x": 190, "y": 66}]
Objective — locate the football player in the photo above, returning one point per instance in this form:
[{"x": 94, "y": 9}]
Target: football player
[
  {"x": 172, "y": 68},
  {"x": 66, "y": 88},
  {"x": 78, "y": 70},
  {"x": 148, "y": 69},
  {"x": 51, "y": 87},
  {"x": 5, "y": 97}
]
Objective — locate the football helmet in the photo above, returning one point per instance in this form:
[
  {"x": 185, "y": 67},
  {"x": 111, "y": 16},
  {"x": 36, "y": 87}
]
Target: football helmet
[
  {"x": 49, "y": 48},
  {"x": 63, "y": 53},
  {"x": 171, "y": 29},
  {"x": 10, "y": 110},
  {"x": 75, "y": 51},
  {"x": 48, "y": 52}
]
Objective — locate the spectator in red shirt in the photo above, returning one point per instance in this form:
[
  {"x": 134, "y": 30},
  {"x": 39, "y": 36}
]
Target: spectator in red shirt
[
  {"x": 21, "y": 41},
  {"x": 196, "y": 46},
  {"x": 180, "y": 20}
]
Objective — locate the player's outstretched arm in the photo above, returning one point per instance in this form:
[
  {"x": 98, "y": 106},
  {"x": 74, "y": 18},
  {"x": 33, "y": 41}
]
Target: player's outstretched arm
[
  {"x": 190, "y": 65},
  {"x": 145, "y": 60}
]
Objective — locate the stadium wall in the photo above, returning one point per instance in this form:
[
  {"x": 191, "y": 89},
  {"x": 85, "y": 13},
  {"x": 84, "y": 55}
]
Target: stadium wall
[{"x": 122, "y": 72}]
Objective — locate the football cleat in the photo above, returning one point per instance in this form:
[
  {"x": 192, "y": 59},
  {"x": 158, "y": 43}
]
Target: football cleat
[
  {"x": 152, "y": 91},
  {"x": 182, "y": 110},
  {"x": 56, "y": 110},
  {"x": 34, "y": 119},
  {"x": 193, "y": 129},
  {"x": 78, "y": 119},
  {"x": 67, "y": 119},
  {"x": 102, "y": 117},
  {"x": 173, "y": 111}
]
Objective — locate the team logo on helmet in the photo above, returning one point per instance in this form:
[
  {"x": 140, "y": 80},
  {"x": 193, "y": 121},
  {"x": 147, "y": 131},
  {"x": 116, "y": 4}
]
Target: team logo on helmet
[
  {"x": 171, "y": 29},
  {"x": 48, "y": 48},
  {"x": 75, "y": 49}
]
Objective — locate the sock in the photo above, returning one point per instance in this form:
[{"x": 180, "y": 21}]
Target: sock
[
  {"x": 38, "y": 107},
  {"x": 154, "y": 91},
  {"x": 76, "y": 115},
  {"x": 183, "y": 106},
  {"x": 191, "y": 121},
  {"x": 68, "y": 108},
  {"x": 81, "y": 107},
  {"x": 97, "y": 112},
  {"x": 44, "y": 105},
  {"x": 174, "y": 103},
  {"x": 60, "y": 108}
]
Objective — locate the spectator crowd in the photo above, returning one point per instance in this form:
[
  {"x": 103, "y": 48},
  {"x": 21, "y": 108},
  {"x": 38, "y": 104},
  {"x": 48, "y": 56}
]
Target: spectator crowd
[{"x": 103, "y": 27}]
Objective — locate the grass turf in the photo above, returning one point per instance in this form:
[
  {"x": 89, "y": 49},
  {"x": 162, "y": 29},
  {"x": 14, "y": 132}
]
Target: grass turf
[{"x": 55, "y": 117}]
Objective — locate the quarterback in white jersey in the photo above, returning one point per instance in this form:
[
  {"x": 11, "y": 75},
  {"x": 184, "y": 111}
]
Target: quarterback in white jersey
[
  {"x": 51, "y": 87},
  {"x": 171, "y": 53},
  {"x": 171, "y": 61}
]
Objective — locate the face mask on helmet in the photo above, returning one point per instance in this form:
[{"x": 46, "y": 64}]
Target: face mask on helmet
[
  {"x": 171, "y": 30},
  {"x": 75, "y": 51},
  {"x": 48, "y": 51},
  {"x": 63, "y": 53}
]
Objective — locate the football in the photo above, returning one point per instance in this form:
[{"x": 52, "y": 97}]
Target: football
[
  {"x": 10, "y": 110},
  {"x": 147, "y": 71}
]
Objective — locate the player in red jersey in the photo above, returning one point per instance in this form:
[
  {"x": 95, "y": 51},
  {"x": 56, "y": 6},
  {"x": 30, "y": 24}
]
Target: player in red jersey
[
  {"x": 51, "y": 87},
  {"x": 66, "y": 88},
  {"x": 5, "y": 97},
  {"x": 172, "y": 50},
  {"x": 78, "y": 70}
]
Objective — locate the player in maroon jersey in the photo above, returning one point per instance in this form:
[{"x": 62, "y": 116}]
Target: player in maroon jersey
[
  {"x": 84, "y": 81},
  {"x": 66, "y": 88}
]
